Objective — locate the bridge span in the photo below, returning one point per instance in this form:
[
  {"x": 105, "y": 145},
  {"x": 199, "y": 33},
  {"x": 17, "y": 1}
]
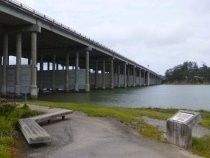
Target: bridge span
[{"x": 58, "y": 58}]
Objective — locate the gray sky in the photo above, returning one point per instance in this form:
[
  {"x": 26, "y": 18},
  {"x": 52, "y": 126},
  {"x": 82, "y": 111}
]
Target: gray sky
[{"x": 158, "y": 33}]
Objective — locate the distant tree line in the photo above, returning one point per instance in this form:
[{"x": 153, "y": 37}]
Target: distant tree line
[{"x": 188, "y": 72}]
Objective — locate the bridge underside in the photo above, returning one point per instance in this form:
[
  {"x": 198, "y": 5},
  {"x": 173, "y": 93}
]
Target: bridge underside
[{"x": 50, "y": 57}]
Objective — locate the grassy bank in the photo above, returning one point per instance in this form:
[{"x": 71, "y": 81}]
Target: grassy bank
[
  {"x": 132, "y": 118},
  {"x": 9, "y": 116}
]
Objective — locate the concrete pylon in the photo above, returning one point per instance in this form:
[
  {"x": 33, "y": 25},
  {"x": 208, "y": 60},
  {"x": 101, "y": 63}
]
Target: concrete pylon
[
  {"x": 125, "y": 75},
  {"x": 18, "y": 63},
  {"x": 104, "y": 75},
  {"x": 148, "y": 78},
  {"x": 67, "y": 73},
  {"x": 87, "y": 74},
  {"x": 128, "y": 78},
  {"x": 96, "y": 74},
  {"x": 34, "y": 89},
  {"x": 53, "y": 72},
  {"x": 112, "y": 74},
  {"x": 134, "y": 76},
  {"x": 5, "y": 63},
  {"x": 118, "y": 76},
  {"x": 48, "y": 66},
  {"x": 139, "y": 77},
  {"x": 76, "y": 88},
  {"x": 41, "y": 63},
  {"x": 41, "y": 73}
]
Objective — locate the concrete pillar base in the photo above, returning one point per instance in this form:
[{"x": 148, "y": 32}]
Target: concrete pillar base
[
  {"x": 17, "y": 91},
  {"x": 112, "y": 86},
  {"x": 4, "y": 90},
  {"x": 34, "y": 92},
  {"x": 87, "y": 88},
  {"x": 76, "y": 88}
]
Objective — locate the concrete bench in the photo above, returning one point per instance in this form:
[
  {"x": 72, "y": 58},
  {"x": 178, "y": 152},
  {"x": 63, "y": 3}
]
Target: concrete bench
[{"x": 33, "y": 132}]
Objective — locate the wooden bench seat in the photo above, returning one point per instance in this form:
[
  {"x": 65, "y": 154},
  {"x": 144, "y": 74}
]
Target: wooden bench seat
[{"x": 33, "y": 132}]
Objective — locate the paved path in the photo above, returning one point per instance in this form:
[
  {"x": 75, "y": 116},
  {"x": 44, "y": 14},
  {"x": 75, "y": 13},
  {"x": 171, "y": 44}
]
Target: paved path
[{"x": 86, "y": 137}]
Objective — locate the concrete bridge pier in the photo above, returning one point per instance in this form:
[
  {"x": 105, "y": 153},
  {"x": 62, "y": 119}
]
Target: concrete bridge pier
[
  {"x": 139, "y": 77},
  {"x": 112, "y": 74},
  {"x": 76, "y": 88},
  {"x": 41, "y": 69},
  {"x": 104, "y": 75},
  {"x": 134, "y": 76},
  {"x": 34, "y": 88},
  {"x": 118, "y": 75},
  {"x": 18, "y": 63},
  {"x": 53, "y": 73},
  {"x": 87, "y": 72},
  {"x": 148, "y": 78},
  {"x": 5, "y": 63},
  {"x": 96, "y": 75},
  {"x": 67, "y": 73},
  {"x": 125, "y": 75}
]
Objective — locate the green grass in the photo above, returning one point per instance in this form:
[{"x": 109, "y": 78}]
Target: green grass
[
  {"x": 4, "y": 152},
  {"x": 8, "y": 125},
  {"x": 201, "y": 146},
  {"x": 132, "y": 118}
]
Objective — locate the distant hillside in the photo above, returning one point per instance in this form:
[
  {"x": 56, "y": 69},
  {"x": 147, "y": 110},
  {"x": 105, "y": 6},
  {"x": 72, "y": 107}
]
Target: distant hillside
[{"x": 188, "y": 73}]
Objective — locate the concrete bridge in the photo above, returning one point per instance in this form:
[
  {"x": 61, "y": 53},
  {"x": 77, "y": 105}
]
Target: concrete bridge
[{"x": 58, "y": 58}]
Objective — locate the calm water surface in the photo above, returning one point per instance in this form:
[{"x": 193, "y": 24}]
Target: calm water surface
[{"x": 163, "y": 96}]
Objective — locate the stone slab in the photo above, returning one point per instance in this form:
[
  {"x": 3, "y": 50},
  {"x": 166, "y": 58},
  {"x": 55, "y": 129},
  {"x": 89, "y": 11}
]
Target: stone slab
[
  {"x": 179, "y": 128},
  {"x": 33, "y": 132}
]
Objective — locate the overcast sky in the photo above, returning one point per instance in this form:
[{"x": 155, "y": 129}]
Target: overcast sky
[{"x": 158, "y": 33}]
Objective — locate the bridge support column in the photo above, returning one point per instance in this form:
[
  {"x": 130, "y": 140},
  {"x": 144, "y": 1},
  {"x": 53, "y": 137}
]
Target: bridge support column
[
  {"x": 128, "y": 79},
  {"x": 76, "y": 88},
  {"x": 104, "y": 75},
  {"x": 18, "y": 63},
  {"x": 53, "y": 73},
  {"x": 87, "y": 77},
  {"x": 0, "y": 60},
  {"x": 96, "y": 74},
  {"x": 41, "y": 73},
  {"x": 134, "y": 76},
  {"x": 139, "y": 77},
  {"x": 67, "y": 73},
  {"x": 148, "y": 78},
  {"x": 112, "y": 74},
  {"x": 41, "y": 63},
  {"x": 118, "y": 76},
  {"x": 57, "y": 66},
  {"x": 5, "y": 63},
  {"x": 125, "y": 75},
  {"x": 48, "y": 65},
  {"x": 34, "y": 89}
]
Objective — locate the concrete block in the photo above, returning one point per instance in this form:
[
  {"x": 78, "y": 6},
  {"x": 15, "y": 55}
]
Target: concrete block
[{"x": 179, "y": 128}]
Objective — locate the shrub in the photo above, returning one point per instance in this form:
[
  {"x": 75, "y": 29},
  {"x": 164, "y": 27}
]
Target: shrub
[
  {"x": 5, "y": 127},
  {"x": 5, "y": 107}
]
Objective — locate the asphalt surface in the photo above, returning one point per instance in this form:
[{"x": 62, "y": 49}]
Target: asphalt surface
[{"x": 81, "y": 136}]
